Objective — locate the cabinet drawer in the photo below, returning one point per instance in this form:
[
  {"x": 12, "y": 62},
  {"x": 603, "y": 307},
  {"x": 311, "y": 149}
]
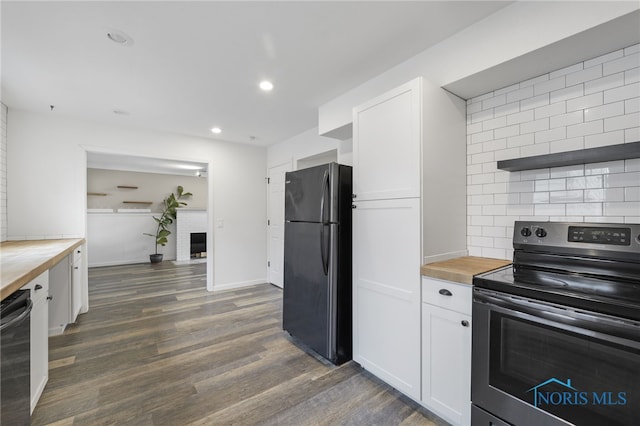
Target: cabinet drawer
[{"x": 448, "y": 295}]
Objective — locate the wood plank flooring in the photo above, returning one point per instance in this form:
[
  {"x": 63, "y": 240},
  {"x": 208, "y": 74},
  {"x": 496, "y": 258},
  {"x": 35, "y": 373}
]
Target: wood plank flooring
[{"x": 156, "y": 348}]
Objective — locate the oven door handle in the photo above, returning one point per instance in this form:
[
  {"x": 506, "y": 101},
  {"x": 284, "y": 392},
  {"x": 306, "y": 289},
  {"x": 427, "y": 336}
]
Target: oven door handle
[{"x": 580, "y": 321}]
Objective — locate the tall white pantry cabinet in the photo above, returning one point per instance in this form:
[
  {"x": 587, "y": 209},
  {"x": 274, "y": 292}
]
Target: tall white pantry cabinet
[{"x": 409, "y": 188}]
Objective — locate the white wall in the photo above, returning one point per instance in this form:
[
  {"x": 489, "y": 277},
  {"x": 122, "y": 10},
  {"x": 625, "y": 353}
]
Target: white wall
[
  {"x": 590, "y": 104},
  {"x": 154, "y": 187},
  {"x": 308, "y": 144},
  {"x": 47, "y": 185},
  {"x": 515, "y": 30},
  {"x": 3, "y": 172}
]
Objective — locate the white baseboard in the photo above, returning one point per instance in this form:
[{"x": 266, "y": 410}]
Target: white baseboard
[{"x": 239, "y": 284}]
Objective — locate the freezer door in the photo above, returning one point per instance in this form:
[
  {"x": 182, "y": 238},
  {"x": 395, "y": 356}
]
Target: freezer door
[
  {"x": 308, "y": 194},
  {"x": 309, "y": 289}
]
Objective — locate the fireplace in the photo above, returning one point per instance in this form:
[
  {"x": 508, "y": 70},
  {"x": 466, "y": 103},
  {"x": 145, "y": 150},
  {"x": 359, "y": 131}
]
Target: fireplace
[
  {"x": 189, "y": 222},
  {"x": 198, "y": 247}
]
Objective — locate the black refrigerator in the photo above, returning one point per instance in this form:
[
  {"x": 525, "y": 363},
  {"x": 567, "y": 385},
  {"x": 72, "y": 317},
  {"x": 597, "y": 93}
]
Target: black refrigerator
[{"x": 317, "y": 260}]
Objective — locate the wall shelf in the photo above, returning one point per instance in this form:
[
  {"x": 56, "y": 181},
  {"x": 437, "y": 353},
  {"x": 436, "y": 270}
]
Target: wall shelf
[
  {"x": 583, "y": 156},
  {"x": 127, "y": 187},
  {"x": 99, "y": 194},
  {"x": 138, "y": 202}
]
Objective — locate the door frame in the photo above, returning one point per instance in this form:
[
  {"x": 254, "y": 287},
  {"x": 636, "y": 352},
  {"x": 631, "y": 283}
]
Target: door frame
[{"x": 288, "y": 163}]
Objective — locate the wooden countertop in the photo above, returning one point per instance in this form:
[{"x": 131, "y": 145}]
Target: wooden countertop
[
  {"x": 462, "y": 269},
  {"x": 22, "y": 261}
]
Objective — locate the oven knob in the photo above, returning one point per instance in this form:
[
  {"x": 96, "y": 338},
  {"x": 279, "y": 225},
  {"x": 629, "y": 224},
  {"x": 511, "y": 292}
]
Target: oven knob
[
  {"x": 541, "y": 233},
  {"x": 525, "y": 232}
]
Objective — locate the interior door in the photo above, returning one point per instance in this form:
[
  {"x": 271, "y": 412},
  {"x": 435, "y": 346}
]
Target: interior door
[{"x": 276, "y": 222}]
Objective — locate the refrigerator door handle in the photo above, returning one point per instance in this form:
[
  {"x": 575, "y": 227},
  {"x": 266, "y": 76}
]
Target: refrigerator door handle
[
  {"x": 325, "y": 260},
  {"x": 325, "y": 185}
]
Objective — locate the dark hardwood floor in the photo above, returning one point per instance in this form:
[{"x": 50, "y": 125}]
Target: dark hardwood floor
[{"x": 157, "y": 349}]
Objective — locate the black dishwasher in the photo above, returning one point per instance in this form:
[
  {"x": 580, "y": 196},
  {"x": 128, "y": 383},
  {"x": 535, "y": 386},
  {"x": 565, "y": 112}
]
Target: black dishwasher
[{"x": 15, "y": 362}]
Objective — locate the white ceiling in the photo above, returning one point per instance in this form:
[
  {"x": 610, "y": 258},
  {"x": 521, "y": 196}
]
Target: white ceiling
[
  {"x": 196, "y": 65},
  {"x": 100, "y": 160}
]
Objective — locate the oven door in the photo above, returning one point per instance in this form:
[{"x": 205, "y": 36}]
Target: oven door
[{"x": 538, "y": 364}]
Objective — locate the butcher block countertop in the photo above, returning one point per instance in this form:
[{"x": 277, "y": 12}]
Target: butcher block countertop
[
  {"x": 462, "y": 269},
  {"x": 22, "y": 261}
]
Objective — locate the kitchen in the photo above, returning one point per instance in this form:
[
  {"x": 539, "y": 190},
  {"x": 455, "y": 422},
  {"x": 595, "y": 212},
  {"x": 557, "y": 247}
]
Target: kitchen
[{"x": 491, "y": 205}]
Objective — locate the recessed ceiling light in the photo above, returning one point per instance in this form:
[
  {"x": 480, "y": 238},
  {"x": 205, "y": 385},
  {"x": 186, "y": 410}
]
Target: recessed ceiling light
[
  {"x": 266, "y": 85},
  {"x": 119, "y": 37},
  {"x": 216, "y": 130}
]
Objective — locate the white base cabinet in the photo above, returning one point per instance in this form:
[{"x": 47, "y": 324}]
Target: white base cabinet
[
  {"x": 446, "y": 349},
  {"x": 66, "y": 292},
  {"x": 39, "y": 292}
]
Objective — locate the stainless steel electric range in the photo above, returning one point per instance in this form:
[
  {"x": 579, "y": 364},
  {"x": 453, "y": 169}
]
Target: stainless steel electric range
[{"x": 556, "y": 337}]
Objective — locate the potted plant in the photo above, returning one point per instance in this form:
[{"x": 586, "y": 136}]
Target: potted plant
[{"x": 170, "y": 204}]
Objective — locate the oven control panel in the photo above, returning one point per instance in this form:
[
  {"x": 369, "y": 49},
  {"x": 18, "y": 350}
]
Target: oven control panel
[
  {"x": 586, "y": 234},
  {"x": 601, "y": 236}
]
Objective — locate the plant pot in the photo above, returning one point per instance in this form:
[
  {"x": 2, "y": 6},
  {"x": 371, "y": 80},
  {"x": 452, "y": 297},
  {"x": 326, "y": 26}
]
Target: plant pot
[{"x": 155, "y": 258}]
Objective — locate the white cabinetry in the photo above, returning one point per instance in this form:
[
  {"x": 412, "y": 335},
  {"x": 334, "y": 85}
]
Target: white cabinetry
[
  {"x": 409, "y": 184},
  {"x": 386, "y": 338},
  {"x": 66, "y": 280},
  {"x": 39, "y": 291},
  {"x": 446, "y": 349}
]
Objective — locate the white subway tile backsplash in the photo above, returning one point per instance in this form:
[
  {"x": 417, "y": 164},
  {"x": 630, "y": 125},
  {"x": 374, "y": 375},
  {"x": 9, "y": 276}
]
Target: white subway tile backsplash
[
  {"x": 517, "y": 95},
  {"x": 558, "y": 133},
  {"x": 586, "y": 74},
  {"x": 604, "y": 139},
  {"x": 533, "y": 150},
  {"x": 604, "y": 168},
  {"x": 632, "y": 193},
  {"x": 632, "y": 76},
  {"x": 627, "y": 91},
  {"x": 604, "y": 83},
  {"x": 632, "y": 135},
  {"x": 622, "y": 122},
  {"x": 507, "y": 109},
  {"x": 632, "y": 165},
  {"x": 574, "y": 117},
  {"x": 575, "y": 196},
  {"x": 584, "y": 129},
  {"x": 583, "y": 102},
  {"x": 599, "y": 106},
  {"x": 535, "y": 126},
  {"x": 549, "y": 110},
  {"x": 566, "y": 145},
  {"x": 604, "y": 58},
  {"x": 549, "y": 209},
  {"x": 567, "y": 171},
  {"x": 621, "y": 180},
  {"x": 604, "y": 111},
  {"x": 631, "y": 208},
  {"x": 621, "y": 64},
  {"x": 585, "y": 182},
  {"x": 584, "y": 209},
  {"x": 505, "y": 132},
  {"x": 570, "y": 92},
  {"x": 549, "y": 85},
  {"x": 494, "y": 101},
  {"x": 535, "y": 102},
  {"x": 632, "y": 105},
  {"x": 598, "y": 195}
]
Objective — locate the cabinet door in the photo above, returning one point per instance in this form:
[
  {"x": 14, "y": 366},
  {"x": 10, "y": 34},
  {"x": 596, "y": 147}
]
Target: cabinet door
[
  {"x": 446, "y": 363},
  {"x": 387, "y": 145},
  {"x": 386, "y": 290},
  {"x": 39, "y": 338},
  {"x": 76, "y": 285}
]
